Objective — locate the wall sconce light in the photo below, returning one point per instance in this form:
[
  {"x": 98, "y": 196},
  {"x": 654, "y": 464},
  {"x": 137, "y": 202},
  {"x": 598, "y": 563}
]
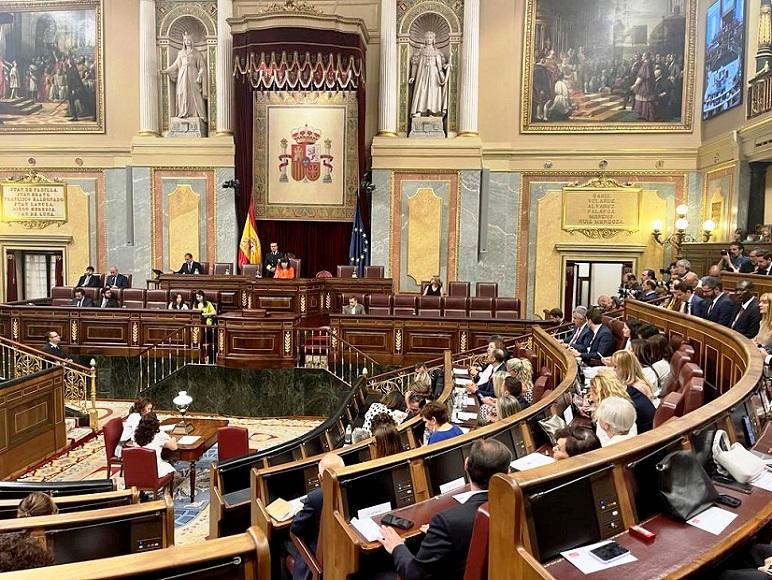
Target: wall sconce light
[
  {"x": 708, "y": 227},
  {"x": 679, "y": 236}
]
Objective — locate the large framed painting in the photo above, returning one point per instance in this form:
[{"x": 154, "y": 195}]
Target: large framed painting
[
  {"x": 608, "y": 66},
  {"x": 724, "y": 57},
  {"x": 51, "y": 67}
]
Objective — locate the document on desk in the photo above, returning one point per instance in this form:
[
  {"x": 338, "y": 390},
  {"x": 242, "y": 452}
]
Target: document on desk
[
  {"x": 460, "y": 371},
  {"x": 587, "y": 563},
  {"x": 462, "y": 382},
  {"x": 468, "y": 401},
  {"x": 188, "y": 439},
  {"x": 376, "y": 510},
  {"x": 368, "y": 528},
  {"x": 713, "y": 520},
  {"x": 462, "y": 497},
  {"x": 168, "y": 428},
  {"x": 530, "y": 461},
  {"x": 451, "y": 485},
  {"x": 466, "y": 415},
  {"x": 763, "y": 480},
  {"x": 282, "y": 510}
]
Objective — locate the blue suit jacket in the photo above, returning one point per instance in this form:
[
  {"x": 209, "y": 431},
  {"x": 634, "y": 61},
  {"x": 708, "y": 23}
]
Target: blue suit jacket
[
  {"x": 699, "y": 306},
  {"x": 720, "y": 310},
  {"x": 602, "y": 344},
  {"x": 306, "y": 527},
  {"x": 582, "y": 341}
]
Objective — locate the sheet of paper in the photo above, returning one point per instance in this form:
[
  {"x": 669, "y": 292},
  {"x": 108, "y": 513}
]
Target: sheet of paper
[
  {"x": 590, "y": 372},
  {"x": 587, "y": 563},
  {"x": 763, "y": 480},
  {"x": 460, "y": 371},
  {"x": 368, "y": 528},
  {"x": 713, "y": 520},
  {"x": 451, "y": 485},
  {"x": 376, "y": 510},
  {"x": 188, "y": 439},
  {"x": 531, "y": 460},
  {"x": 463, "y": 382},
  {"x": 464, "y": 429},
  {"x": 466, "y": 415},
  {"x": 167, "y": 428},
  {"x": 462, "y": 497},
  {"x": 568, "y": 414},
  {"x": 468, "y": 401}
]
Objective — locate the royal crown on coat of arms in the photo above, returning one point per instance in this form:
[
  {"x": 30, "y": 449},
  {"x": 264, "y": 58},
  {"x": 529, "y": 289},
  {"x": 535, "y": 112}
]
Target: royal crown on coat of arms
[{"x": 306, "y": 162}]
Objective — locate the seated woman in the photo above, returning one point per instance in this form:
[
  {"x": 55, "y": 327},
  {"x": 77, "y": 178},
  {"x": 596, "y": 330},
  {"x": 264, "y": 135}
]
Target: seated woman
[
  {"x": 574, "y": 440},
  {"x": 392, "y": 403},
  {"x": 488, "y": 407},
  {"x": 36, "y": 504},
  {"x": 644, "y": 352},
  {"x": 616, "y": 417},
  {"x": 521, "y": 369},
  {"x": 661, "y": 352},
  {"x": 207, "y": 309},
  {"x": 387, "y": 441},
  {"x": 434, "y": 288},
  {"x": 436, "y": 422},
  {"x": 178, "y": 303},
  {"x": 629, "y": 372},
  {"x": 604, "y": 385},
  {"x": 140, "y": 408},
  {"x": 283, "y": 269},
  {"x": 506, "y": 405},
  {"x": 515, "y": 388},
  {"x": 149, "y": 435}
]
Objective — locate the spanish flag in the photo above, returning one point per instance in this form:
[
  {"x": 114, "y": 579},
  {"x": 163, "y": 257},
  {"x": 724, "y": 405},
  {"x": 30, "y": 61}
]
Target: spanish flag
[{"x": 249, "y": 248}]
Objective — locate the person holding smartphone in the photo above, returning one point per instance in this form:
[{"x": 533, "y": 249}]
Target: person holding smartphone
[{"x": 735, "y": 259}]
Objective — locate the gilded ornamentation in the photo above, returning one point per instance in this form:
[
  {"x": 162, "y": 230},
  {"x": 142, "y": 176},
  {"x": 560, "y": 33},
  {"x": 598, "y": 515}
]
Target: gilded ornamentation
[
  {"x": 26, "y": 364},
  {"x": 601, "y": 207},
  {"x": 334, "y": 343},
  {"x": 195, "y": 334},
  {"x": 327, "y": 301},
  {"x": 601, "y": 234},
  {"x": 398, "y": 340},
  {"x": 463, "y": 340},
  {"x": 526, "y": 344},
  {"x": 34, "y": 201},
  {"x": 291, "y": 6},
  {"x": 249, "y": 300},
  {"x": 135, "y": 332},
  {"x": 15, "y": 329},
  {"x": 74, "y": 331},
  {"x": 302, "y": 303},
  {"x": 287, "y": 342},
  {"x": 76, "y": 388},
  {"x": 244, "y": 299},
  {"x": 221, "y": 339}
]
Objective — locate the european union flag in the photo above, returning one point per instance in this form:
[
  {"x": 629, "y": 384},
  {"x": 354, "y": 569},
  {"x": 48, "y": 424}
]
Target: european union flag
[{"x": 359, "y": 248}]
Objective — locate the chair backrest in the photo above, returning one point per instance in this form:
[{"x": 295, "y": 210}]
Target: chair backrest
[
  {"x": 477, "y": 556},
  {"x": 539, "y": 386},
  {"x": 112, "y": 432},
  {"x": 507, "y": 308},
  {"x": 232, "y": 442},
  {"x": 223, "y": 268},
  {"x": 481, "y": 307},
  {"x": 456, "y": 306},
  {"x": 694, "y": 395},
  {"x": 373, "y": 271},
  {"x": 679, "y": 359},
  {"x": 204, "y": 267},
  {"x": 93, "y": 293},
  {"x": 486, "y": 289},
  {"x": 296, "y": 263},
  {"x": 140, "y": 467},
  {"x": 158, "y": 299},
  {"x": 323, "y": 274},
  {"x": 404, "y": 304},
  {"x": 61, "y": 295},
  {"x": 667, "y": 408},
  {"x": 427, "y": 302},
  {"x": 251, "y": 270},
  {"x": 458, "y": 288},
  {"x": 687, "y": 372},
  {"x": 346, "y": 271},
  {"x": 379, "y": 300},
  {"x": 429, "y": 312},
  {"x": 687, "y": 348}
]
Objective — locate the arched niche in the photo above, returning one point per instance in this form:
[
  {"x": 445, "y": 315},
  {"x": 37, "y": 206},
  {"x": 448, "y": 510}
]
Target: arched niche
[
  {"x": 443, "y": 21},
  {"x": 202, "y": 26}
]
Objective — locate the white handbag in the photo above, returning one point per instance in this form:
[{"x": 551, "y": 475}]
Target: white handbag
[{"x": 735, "y": 460}]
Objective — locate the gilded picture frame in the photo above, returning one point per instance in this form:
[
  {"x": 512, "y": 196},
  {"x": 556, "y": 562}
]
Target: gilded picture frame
[
  {"x": 308, "y": 170},
  {"x": 598, "y": 75},
  {"x": 52, "y": 80}
]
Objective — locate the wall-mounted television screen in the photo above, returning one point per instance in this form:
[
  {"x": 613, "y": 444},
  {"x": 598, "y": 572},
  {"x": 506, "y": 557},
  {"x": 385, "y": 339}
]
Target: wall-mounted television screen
[{"x": 724, "y": 57}]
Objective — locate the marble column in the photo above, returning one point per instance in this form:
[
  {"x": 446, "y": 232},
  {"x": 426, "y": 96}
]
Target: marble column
[
  {"x": 387, "y": 104},
  {"x": 224, "y": 68},
  {"x": 148, "y": 70},
  {"x": 470, "y": 69}
]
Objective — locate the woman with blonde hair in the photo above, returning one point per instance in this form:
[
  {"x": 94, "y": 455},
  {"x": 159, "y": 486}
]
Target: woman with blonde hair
[
  {"x": 629, "y": 371},
  {"x": 764, "y": 336},
  {"x": 604, "y": 386},
  {"x": 488, "y": 407},
  {"x": 521, "y": 369}
]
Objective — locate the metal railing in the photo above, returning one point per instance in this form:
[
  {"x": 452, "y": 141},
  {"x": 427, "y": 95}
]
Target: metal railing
[
  {"x": 191, "y": 344},
  {"x": 321, "y": 348},
  {"x": 18, "y": 360}
]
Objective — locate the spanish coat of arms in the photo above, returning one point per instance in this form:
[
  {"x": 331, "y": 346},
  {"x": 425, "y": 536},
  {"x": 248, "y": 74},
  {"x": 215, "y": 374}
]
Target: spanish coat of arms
[{"x": 306, "y": 158}]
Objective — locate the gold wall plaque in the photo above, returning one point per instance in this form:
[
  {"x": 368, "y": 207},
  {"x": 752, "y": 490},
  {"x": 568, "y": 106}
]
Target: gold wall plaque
[
  {"x": 34, "y": 201},
  {"x": 601, "y": 208}
]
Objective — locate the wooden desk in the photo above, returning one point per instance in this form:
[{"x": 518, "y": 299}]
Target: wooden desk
[
  {"x": 665, "y": 556},
  {"x": 702, "y": 255},
  {"x": 206, "y": 430},
  {"x": 762, "y": 284}
]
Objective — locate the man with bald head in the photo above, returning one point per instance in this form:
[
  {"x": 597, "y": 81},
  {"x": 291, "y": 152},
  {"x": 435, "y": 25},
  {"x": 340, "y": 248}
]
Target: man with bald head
[
  {"x": 306, "y": 524},
  {"x": 116, "y": 279}
]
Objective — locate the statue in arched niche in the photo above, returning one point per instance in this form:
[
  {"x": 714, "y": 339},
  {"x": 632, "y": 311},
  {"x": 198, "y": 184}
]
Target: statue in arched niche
[
  {"x": 429, "y": 77},
  {"x": 189, "y": 74}
]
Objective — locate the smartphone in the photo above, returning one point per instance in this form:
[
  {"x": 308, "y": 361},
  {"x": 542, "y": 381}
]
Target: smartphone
[
  {"x": 396, "y": 522},
  {"x": 609, "y": 552},
  {"x": 729, "y": 501}
]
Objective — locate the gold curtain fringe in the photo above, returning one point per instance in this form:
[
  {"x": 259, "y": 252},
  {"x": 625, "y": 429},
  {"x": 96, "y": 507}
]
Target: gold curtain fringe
[{"x": 292, "y": 72}]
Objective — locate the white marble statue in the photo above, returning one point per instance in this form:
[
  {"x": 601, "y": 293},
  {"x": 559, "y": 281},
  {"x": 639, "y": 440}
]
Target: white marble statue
[
  {"x": 191, "y": 80},
  {"x": 429, "y": 77}
]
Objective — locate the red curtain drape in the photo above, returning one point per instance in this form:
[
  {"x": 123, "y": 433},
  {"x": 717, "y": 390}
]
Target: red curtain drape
[
  {"x": 11, "y": 283},
  {"x": 320, "y": 245}
]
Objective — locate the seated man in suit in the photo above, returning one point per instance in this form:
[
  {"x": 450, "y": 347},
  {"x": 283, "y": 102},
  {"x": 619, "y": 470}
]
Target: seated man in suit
[
  {"x": 271, "y": 260},
  {"x": 649, "y": 290},
  {"x": 108, "y": 300},
  {"x": 690, "y": 302},
  {"x": 721, "y": 305},
  {"x": 306, "y": 523},
  {"x": 483, "y": 387},
  {"x": 116, "y": 279},
  {"x": 602, "y": 342},
  {"x": 764, "y": 263},
  {"x": 189, "y": 266},
  {"x": 81, "y": 300},
  {"x": 747, "y": 316},
  {"x": 52, "y": 346},
  {"x": 443, "y": 551},
  {"x": 353, "y": 308},
  {"x": 581, "y": 335},
  {"x": 89, "y": 279}
]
